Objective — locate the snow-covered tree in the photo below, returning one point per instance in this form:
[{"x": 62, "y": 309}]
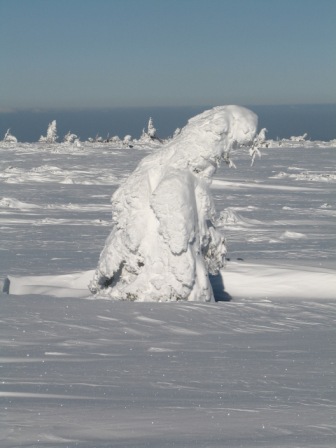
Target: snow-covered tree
[
  {"x": 164, "y": 244},
  {"x": 261, "y": 137},
  {"x": 144, "y": 135},
  {"x": 97, "y": 139},
  {"x": 52, "y": 132},
  {"x": 259, "y": 141},
  {"x": 176, "y": 132},
  {"x": 150, "y": 135},
  {"x": 299, "y": 138},
  {"x": 70, "y": 138},
  {"x": 51, "y": 136},
  {"x": 115, "y": 139},
  {"x": 9, "y": 138},
  {"x": 127, "y": 141},
  {"x": 151, "y": 131}
]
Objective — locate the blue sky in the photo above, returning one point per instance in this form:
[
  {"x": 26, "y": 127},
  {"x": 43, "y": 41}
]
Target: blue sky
[{"x": 111, "y": 53}]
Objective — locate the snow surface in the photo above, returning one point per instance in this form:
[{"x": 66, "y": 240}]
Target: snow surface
[{"x": 256, "y": 371}]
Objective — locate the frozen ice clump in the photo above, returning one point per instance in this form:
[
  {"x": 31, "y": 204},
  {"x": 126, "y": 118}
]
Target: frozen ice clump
[
  {"x": 229, "y": 217},
  {"x": 14, "y": 203},
  {"x": 163, "y": 244},
  {"x": 292, "y": 236}
]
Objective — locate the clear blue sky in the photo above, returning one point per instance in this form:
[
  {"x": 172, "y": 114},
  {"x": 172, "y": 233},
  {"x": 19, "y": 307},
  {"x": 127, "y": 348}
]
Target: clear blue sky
[{"x": 109, "y": 53}]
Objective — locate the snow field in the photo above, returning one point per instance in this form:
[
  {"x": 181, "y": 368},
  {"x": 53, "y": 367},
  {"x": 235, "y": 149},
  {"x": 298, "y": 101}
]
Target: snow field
[
  {"x": 256, "y": 371},
  {"x": 111, "y": 374}
]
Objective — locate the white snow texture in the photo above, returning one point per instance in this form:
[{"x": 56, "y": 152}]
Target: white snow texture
[{"x": 163, "y": 244}]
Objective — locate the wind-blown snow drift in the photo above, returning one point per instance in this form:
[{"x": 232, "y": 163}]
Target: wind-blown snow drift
[{"x": 163, "y": 244}]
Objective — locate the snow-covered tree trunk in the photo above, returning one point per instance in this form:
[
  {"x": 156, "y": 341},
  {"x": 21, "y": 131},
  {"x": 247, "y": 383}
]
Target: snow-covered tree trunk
[{"x": 164, "y": 244}]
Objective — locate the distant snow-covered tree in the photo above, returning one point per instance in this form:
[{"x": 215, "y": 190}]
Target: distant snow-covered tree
[
  {"x": 151, "y": 131},
  {"x": 144, "y": 138},
  {"x": 51, "y": 136},
  {"x": 9, "y": 138},
  {"x": 258, "y": 142},
  {"x": 70, "y": 138},
  {"x": 176, "y": 132},
  {"x": 97, "y": 139},
  {"x": 150, "y": 135},
  {"x": 299, "y": 138},
  {"x": 128, "y": 141},
  {"x": 52, "y": 132},
  {"x": 115, "y": 139},
  {"x": 262, "y": 135}
]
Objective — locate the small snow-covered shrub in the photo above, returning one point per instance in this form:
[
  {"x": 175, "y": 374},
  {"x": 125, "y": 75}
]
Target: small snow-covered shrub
[
  {"x": 259, "y": 141},
  {"x": 127, "y": 141},
  {"x": 115, "y": 139},
  {"x": 9, "y": 138},
  {"x": 70, "y": 138},
  {"x": 97, "y": 139},
  {"x": 176, "y": 132},
  {"x": 228, "y": 217},
  {"x": 299, "y": 138}
]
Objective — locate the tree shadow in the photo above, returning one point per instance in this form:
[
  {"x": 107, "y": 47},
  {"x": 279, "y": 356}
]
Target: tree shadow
[
  {"x": 218, "y": 288},
  {"x": 6, "y": 285}
]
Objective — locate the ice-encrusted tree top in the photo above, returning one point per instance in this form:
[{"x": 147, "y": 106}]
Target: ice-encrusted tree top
[
  {"x": 210, "y": 137},
  {"x": 164, "y": 244}
]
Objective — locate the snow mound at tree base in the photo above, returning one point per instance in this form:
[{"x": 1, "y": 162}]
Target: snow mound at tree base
[
  {"x": 68, "y": 285},
  {"x": 239, "y": 280}
]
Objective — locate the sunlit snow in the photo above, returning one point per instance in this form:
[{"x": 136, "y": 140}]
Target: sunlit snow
[{"x": 254, "y": 371}]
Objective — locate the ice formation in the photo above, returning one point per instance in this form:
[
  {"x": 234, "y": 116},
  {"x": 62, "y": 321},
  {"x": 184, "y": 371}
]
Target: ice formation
[{"x": 163, "y": 244}]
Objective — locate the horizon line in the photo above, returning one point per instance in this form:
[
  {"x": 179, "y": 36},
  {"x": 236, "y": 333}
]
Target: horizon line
[{"x": 107, "y": 108}]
